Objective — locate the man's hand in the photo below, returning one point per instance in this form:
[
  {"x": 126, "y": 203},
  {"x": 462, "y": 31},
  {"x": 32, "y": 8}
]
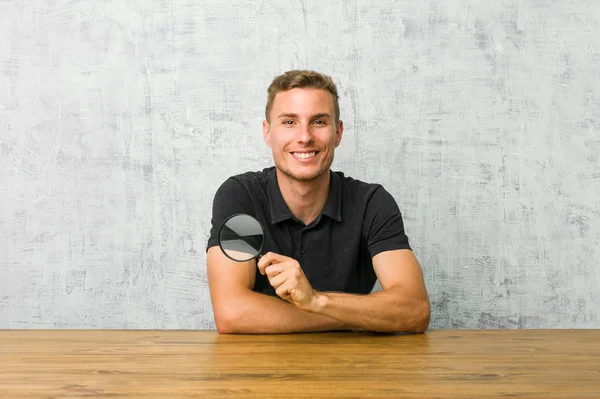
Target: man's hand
[{"x": 286, "y": 276}]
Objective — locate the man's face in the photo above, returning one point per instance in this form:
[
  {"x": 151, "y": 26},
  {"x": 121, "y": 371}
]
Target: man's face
[{"x": 303, "y": 133}]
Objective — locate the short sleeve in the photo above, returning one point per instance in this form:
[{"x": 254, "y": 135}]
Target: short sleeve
[
  {"x": 384, "y": 227},
  {"x": 231, "y": 198}
]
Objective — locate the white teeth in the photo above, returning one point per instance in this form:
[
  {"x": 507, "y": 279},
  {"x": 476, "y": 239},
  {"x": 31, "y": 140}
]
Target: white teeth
[{"x": 305, "y": 155}]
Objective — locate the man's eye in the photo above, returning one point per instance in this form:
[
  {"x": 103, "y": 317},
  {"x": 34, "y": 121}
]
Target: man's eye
[
  {"x": 320, "y": 122},
  {"x": 288, "y": 122}
]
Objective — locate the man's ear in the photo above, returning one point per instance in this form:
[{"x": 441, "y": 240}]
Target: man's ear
[
  {"x": 339, "y": 132},
  {"x": 266, "y": 133}
]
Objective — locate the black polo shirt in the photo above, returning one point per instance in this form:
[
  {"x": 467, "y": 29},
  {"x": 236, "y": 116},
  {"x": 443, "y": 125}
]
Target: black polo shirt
[{"x": 358, "y": 221}]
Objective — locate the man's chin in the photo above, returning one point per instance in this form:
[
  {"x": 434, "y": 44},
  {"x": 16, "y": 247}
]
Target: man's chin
[{"x": 304, "y": 177}]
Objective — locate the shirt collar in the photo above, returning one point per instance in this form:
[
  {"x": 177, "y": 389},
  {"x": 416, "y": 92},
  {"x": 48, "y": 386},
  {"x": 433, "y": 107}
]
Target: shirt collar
[{"x": 280, "y": 211}]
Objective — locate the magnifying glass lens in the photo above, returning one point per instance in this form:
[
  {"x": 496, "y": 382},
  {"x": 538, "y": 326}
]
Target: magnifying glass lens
[{"x": 241, "y": 238}]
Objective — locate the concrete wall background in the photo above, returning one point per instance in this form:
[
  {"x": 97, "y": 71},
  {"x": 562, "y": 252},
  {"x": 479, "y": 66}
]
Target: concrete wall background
[{"x": 119, "y": 119}]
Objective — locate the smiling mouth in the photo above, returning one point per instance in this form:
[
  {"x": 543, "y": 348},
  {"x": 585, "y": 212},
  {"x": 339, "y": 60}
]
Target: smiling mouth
[{"x": 304, "y": 155}]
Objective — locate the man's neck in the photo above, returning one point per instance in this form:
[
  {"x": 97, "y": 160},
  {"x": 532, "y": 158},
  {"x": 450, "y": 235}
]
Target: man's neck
[{"x": 305, "y": 199}]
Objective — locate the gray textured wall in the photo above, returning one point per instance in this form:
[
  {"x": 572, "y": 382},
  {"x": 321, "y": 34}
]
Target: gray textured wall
[{"x": 118, "y": 121}]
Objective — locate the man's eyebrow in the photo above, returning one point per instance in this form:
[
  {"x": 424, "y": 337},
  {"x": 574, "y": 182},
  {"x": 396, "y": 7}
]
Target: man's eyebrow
[
  {"x": 287, "y": 115},
  {"x": 322, "y": 115},
  {"x": 292, "y": 115}
]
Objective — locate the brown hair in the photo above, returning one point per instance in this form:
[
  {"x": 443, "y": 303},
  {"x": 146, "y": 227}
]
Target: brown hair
[{"x": 301, "y": 79}]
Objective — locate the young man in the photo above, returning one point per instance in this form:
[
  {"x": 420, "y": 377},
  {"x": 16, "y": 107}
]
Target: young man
[{"x": 328, "y": 237}]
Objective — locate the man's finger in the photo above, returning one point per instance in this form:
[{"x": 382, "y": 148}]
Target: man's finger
[
  {"x": 277, "y": 279},
  {"x": 263, "y": 262},
  {"x": 283, "y": 291},
  {"x": 270, "y": 258},
  {"x": 274, "y": 269}
]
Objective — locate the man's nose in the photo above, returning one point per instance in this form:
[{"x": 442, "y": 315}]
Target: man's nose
[{"x": 305, "y": 134}]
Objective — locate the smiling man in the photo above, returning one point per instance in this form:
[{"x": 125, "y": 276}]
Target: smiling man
[{"x": 328, "y": 237}]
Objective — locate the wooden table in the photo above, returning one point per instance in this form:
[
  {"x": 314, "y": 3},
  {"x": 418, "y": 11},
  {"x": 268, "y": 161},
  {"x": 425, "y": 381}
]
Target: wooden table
[{"x": 205, "y": 364}]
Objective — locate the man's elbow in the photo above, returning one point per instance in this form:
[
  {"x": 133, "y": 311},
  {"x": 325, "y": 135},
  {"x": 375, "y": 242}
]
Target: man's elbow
[
  {"x": 226, "y": 321},
  {"x": 223, "y": 326},
  {"x": 422, "y": 317},
  {"x": 416, "y": 321}
]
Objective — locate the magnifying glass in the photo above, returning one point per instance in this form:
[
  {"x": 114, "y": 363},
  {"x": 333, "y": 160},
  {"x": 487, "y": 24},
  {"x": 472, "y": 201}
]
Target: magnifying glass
[{"x": 241, "y": 237}]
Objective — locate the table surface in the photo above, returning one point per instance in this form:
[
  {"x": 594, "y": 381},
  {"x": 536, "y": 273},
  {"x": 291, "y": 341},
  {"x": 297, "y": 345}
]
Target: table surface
[{"x": 205, "y": 364}]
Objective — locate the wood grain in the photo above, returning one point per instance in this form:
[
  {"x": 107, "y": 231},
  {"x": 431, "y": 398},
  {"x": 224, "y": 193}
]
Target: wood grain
[{"x": 204, "y": 364}]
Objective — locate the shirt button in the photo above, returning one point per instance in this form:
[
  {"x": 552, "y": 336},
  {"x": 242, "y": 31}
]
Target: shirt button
[{"x": 302, "y": 250}]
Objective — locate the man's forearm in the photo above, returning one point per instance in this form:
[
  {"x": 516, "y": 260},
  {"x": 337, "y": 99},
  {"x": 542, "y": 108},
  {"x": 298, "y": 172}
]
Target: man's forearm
[
  {"x": 255, "y": 313},
  {"x": 384, "y": 311}
]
